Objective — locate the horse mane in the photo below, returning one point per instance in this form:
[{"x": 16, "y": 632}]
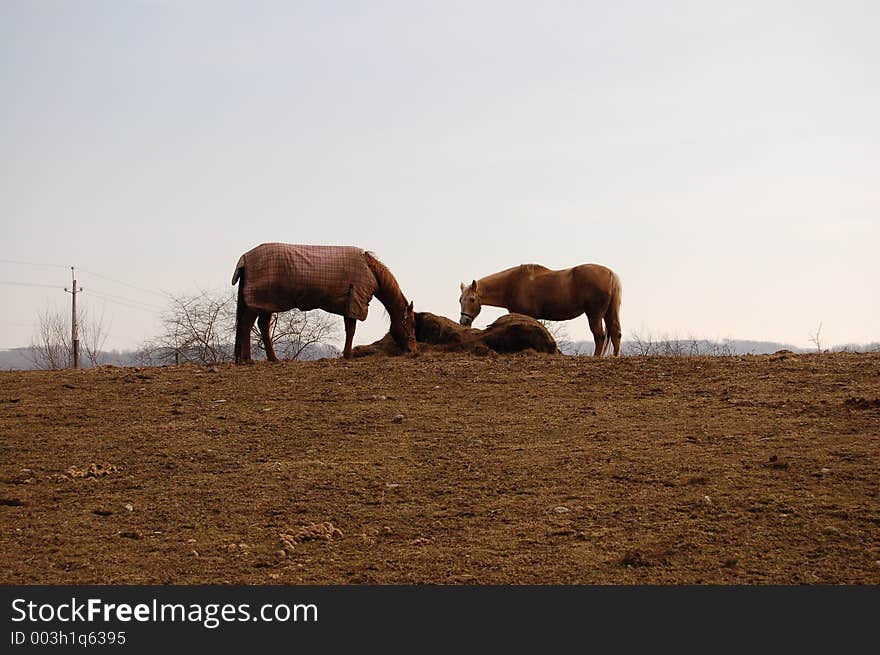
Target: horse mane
[{"x": 388, "y": 291}]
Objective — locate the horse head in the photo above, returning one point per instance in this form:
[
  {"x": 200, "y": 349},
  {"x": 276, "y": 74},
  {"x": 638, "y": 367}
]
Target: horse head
[
  {"x": 470, "y": 303},
  {"x": 403, "y": 329}
]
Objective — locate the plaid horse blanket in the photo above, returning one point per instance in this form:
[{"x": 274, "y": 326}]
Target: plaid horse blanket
[{"x": 283, "y": 276}]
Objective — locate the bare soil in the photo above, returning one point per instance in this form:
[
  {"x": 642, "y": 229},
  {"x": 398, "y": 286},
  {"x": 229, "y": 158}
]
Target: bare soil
[{"x": 446, "y": 468}]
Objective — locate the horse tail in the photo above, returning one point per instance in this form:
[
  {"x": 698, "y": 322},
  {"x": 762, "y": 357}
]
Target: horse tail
[
  {"x": 239, "y": 271},
  {"x": 612, "y": 315},
  {"x": 238, "y": 276}
]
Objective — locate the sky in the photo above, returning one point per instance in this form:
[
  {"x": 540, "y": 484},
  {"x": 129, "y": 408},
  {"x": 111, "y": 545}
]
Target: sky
[{"x": 723, "y": 158}]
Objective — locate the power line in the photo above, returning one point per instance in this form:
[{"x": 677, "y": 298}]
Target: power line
[
  {"x": 128, "y": 302},
  {"x": 84, "y": 270},
  {"x": 119, "y": 300},
  {"x": 30, "y": 284},
  {"x": 127, "y": 284},
  {"x": 152, "y": 310},
  {"x": 132, "y": 301},
  {"x": 13, "y": 261}
]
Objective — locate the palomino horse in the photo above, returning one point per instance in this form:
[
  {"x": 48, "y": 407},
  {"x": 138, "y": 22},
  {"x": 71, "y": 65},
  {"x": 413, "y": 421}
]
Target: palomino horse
[
  {"x": 276, "y": 277},
  {"x": 538, "y": 292}
]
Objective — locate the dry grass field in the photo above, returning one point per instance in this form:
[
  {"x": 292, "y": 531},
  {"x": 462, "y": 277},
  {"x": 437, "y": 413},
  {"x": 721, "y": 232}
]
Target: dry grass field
[{"x": 447, "y": 469}]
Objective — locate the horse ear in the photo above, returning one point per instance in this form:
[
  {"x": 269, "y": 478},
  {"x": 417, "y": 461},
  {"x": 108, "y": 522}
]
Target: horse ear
[
  {"x": 410, "y": 308},
  {"x": 462, "y": 286},
  {"x": 474, "y": 286}
]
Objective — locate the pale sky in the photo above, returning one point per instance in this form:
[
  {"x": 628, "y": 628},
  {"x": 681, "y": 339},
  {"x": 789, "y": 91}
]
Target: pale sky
[{"x": 722, "y": 157}]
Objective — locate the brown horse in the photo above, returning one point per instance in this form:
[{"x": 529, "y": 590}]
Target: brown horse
[
  {"x": 276, "y": 277},
  {"x": 538, "y": 292}
]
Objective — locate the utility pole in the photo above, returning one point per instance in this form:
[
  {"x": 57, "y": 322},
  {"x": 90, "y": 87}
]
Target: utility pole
[{"x": 74, "y": 336}]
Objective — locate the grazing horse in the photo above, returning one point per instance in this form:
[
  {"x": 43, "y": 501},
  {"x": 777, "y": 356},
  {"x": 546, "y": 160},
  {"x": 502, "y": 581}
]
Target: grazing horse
[
  {"x": 276, "y": 277},
  {"x": 538, "y": 292}
]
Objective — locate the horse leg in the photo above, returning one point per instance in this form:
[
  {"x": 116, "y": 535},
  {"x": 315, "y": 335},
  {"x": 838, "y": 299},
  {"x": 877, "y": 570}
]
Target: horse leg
[
  {"x": 350, "y": 324},
  {"x": 244, "y": 322},
  {"x": 265, "y": 322},
  {"x": 598, "y": 334},
  {"x": 612, "y": 325}
]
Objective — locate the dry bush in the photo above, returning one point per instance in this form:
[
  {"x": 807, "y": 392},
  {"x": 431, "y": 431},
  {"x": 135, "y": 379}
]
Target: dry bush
[
  {"x": 666, "y": 346},
  {"x": 52, "y": 346},
  {"x": 200, "y": 328}
]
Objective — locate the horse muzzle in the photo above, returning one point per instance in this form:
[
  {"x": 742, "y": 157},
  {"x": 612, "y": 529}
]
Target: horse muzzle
[{"x": 465, "y": 319}]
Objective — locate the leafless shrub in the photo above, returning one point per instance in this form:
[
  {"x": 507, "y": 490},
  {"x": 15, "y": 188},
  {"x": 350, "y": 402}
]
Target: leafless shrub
[
  {"x": 816, "y": 338},
  {"x": 666, "y": 346},
  {"x": 294, "y": 332},
  {"x": 196, "y": 328},
  {"x": 52, "y": 346},
  {"x": 563, "y": 341},
  {"x": 671, "y": 347},
  {"x": 857, "y": 348},
  {"x": 92, "y": 337},
  {"x": 640, "y": 345},
  {"x": 200, "y": 328},
  {"x": 723, "y": 348}
]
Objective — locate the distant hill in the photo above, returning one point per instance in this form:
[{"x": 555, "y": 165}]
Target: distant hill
[
  {"x": 15, "y": 359},
  {"x": 18, "y": 359},
  {"x": 706, "y": 347}
]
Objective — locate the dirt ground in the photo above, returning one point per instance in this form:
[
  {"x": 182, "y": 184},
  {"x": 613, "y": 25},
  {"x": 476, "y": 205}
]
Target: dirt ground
[{"x": 446, "y": 468}]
